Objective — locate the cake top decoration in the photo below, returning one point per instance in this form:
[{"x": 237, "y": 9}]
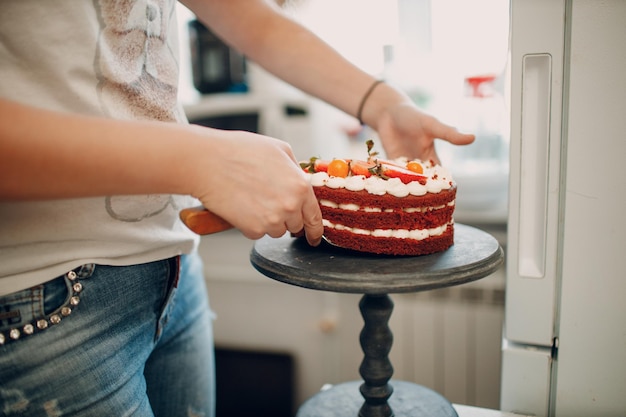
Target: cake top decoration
[
  {"x": 406, "y": 171},
  {"x": 402, "y": 169}
]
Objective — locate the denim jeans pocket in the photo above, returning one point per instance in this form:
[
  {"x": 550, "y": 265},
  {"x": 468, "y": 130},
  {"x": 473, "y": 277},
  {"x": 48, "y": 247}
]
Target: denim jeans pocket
[{"x": 26, "y": 312}]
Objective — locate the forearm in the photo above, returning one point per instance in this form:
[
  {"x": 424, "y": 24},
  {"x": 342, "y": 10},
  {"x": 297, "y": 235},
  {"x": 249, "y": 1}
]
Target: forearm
[
  {"x": 52, "y": 155},
  {"x": 47, "y": 155}
]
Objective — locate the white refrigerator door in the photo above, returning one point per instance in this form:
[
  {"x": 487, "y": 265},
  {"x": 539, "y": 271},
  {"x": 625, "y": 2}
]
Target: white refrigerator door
[{"x": 537, "y": 50}]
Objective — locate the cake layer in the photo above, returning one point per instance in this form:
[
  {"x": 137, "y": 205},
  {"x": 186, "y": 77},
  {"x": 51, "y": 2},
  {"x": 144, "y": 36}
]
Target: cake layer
[
  {"x": 390, "y": 245},
  {"x": 385, "y": 201},
  {"x": 395, "y": 219}
]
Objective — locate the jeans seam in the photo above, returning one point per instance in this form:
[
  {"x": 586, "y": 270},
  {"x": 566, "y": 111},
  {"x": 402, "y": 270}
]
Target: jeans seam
[{"x": 173, "y": 275}]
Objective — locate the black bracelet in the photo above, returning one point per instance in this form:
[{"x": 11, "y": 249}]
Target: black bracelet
[{"x": 364, "y": 99}]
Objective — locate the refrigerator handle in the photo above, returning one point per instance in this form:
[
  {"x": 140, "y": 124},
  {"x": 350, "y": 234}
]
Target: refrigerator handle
[{"x": 535, "y": 157}]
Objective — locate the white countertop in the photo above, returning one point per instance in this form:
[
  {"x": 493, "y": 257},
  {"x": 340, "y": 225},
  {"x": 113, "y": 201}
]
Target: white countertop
[{"x": 468, "y": 411}]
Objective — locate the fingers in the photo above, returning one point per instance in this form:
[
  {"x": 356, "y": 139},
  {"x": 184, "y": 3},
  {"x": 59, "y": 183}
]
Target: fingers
[
  {"x": 312, "y": 218},
  {"x": 436, "y": 130},
  {"x": 449, "y": 133},
  {"x": 457, "y": 138},
  {"x": 298, "y": 213},
  {"x": 269, "y": 201},
  {"x": 307, "y": 222}
]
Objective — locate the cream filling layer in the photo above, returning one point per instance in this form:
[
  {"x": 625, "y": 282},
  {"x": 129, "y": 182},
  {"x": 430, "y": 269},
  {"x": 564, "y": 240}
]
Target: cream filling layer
[
  {"x": 418, "y": 234},
  {"x": 356, "y": 207}
]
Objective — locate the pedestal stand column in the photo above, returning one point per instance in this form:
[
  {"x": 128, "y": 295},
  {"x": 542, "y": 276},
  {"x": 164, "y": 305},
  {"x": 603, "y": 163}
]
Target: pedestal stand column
[{"x": 376, "y": 369}]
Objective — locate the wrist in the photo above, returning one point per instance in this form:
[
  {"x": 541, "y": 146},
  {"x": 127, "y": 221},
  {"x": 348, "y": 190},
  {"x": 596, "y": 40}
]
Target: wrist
[
  {"x": 364, "y": 99},
  {"x": 378, "y": 100}
]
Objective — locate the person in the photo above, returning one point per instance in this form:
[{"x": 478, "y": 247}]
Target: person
[{"x": 103, "y": 309}]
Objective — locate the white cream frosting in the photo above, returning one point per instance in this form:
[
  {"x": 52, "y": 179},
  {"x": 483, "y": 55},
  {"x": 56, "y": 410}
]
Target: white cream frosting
[
  {"x": 356, "y": 207},
  {"x": 438, "y": 178},
  {"x": 417, "y": 234}
]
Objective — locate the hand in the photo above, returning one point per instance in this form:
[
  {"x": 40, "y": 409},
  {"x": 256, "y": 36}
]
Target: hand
[
  {"x": 406, "y": 131},
  {"x": 256, "y": 184}
]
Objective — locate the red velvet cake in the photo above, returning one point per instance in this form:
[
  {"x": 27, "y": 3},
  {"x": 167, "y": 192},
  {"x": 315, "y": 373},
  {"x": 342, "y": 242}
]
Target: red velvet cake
[{"x": 395, "y": 207}]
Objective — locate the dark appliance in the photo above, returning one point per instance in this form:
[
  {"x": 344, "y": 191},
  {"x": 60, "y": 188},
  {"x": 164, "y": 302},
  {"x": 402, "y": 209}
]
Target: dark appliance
[{"x": 216, "y": 67}]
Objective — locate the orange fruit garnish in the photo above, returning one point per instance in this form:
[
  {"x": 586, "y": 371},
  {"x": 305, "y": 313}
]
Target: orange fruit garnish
[
  {"x": 415, "y": 167},
  {"x": 362, "y": 168},
  {"x": 338, "y": 168}
]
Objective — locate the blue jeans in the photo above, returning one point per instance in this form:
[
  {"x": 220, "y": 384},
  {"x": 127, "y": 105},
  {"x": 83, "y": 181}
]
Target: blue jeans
[{"x": 110, "y": 341}]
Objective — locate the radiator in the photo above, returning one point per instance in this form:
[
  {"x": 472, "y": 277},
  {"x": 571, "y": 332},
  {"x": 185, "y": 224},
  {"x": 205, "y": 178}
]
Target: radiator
[{"x": 448, "y": 340}]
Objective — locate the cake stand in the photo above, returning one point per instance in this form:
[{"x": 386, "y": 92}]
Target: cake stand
[{"x": 474, "y": 255}]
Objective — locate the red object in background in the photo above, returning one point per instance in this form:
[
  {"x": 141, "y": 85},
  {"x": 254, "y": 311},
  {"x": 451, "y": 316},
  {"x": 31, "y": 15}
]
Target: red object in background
[{"x": 481, "y": 85}]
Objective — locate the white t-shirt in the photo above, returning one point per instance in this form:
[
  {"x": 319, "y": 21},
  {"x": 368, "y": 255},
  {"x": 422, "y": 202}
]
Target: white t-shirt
[{"x": 105, "y": 58}]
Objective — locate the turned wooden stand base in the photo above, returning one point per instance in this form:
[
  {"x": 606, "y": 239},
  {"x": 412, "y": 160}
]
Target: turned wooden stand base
[{"x": 474, "y": 255}]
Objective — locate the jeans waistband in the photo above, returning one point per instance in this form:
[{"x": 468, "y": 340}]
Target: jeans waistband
[{"x": 25, "y": 312}]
